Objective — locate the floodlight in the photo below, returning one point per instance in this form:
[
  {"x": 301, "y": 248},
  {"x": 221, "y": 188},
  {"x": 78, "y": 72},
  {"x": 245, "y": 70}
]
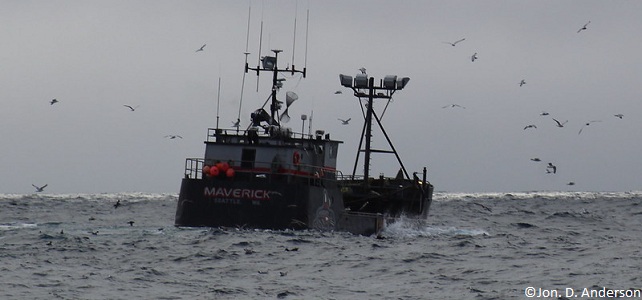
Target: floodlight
[
  {"x": 390, "y": 82},
  {"x": 269, "y": 62},
  {"x": 361, "y": 81},
  {"x": 345, "y": 80},
  {"x": 401, "y": 82}
]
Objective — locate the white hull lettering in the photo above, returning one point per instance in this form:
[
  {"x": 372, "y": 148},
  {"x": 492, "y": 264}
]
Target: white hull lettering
[{"x": 237, "y": 193}]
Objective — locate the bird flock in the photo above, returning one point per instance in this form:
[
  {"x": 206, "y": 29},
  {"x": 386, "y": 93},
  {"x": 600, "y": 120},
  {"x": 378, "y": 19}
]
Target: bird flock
[
  {"x": 131, "y": 108},
  {"x": 556, "y": 122}
]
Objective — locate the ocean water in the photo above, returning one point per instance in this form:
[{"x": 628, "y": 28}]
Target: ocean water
[{"x": 473, "y": 246}]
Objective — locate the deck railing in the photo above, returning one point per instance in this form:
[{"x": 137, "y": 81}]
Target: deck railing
[
  {"x": 214, "y": 134},
  {"x": 194, "y": 169}
]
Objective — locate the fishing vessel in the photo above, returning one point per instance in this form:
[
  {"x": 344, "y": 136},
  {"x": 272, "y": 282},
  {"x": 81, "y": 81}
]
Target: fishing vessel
[{"x": 270, "y": 177}]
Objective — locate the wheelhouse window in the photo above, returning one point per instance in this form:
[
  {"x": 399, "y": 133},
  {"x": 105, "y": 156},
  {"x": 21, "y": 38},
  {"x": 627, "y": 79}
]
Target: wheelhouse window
[{"x": 248, "y": 156}]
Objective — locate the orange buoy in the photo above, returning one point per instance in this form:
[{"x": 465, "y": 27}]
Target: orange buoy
[
  {"x": 230, "y": 172},
  {"x": 214, "y": 171},
  {"x": 224, "y": 167}
]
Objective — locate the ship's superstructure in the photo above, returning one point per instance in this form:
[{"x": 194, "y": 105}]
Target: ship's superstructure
[{"x": 267, "y": 176}]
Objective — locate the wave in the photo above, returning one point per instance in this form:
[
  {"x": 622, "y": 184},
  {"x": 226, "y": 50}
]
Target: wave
[
  {"x": 546, "y": 195},
  {"x": 413, "y": 228},
  {"x": 15, "y": 226},
  {"x": 130, "y": 197}
]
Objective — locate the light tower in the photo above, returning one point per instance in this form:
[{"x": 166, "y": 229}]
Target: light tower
[{"x": 364, "y": 87}]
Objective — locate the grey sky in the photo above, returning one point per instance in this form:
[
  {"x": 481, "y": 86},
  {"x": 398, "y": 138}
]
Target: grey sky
[{"x": 96, "y": 56}]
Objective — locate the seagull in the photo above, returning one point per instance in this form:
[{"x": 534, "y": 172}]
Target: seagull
[
  {"x": 338, "y": 92},
  {"x": 571, "y": 183},
  {"x": 560, "y": 124},
  {"x": 54, "y": 101},
  {"x": 472, "y": 58},
  {"x": 523, "y": 82},
  {"x": 543, "y": 113},
  {"x": 171, "y": 137},
  {"x": 453, "y": 105},
  {"x": 131, "y": 223},
  {"x": 345, "y": 122},
  {"x": 236, "y": 124},
  {"x": 201, "y": 49},
  {"x": 130, "y": 107},
  {"x": 530, "y": 126},
  {"x": 551, "y": 167},
  {"x": 455, "y": 43},
  {"x": 583, "y": 27},
  {"x": 536, "y": 159},
  {"x": 619, "y": 116},
  {"x": 117, "y": 204},
  {"x": 39, "y": 189},
  {"x": 363, "y": 70},
  {"x": 587, "y": 124}
]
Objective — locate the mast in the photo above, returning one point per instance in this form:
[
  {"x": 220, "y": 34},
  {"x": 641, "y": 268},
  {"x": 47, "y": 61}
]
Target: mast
[
  {"x": 270, "y": 64},
  {"x": 386, "y": 88}
]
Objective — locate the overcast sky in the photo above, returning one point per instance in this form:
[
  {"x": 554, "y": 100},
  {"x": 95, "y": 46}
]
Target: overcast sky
[{"x": 94, "y": 57}]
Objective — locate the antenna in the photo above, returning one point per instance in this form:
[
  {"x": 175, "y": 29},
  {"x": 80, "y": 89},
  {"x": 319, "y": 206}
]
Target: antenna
[
  {"x": 260, "y": 44},
  {"x": 294, "y": 35},
  {"x": 218, "y": 101},
  {"x": 305, "y": 61},
  {"x": 247, "y": 42},
  {"x": 310, "y": 123}
]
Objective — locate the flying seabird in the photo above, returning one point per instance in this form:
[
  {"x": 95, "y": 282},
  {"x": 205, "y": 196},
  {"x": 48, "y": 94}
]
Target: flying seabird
[
  {"x": 571, "y": 183},
  {"x": 560, "y": 124},
  {"x": 54, "y": 101},
  {"x": 131, "y": 223},
  {"x": 472, "y": 58},
  {"x": 455, "y": 43},
  {"x": 550, "y": 168},
  {"x": 619, "y": 116},
  {"x": 117, "y": 204},
  {"x": 523, "y": 82},
  {"x": 530, "y": 126},
  {"x": 363, "y": 70},
  {"x": 453, "y": 105},
  {"x": 587, "y": 124},
  {"x": 130, "y": 107},
  {"x": 543, "y": 113},
  {"x": 39, "y": 189},
  {"x": 583, "y": 27},
  {"x": 536, "y": 159},
  {"x": 201, "y": 49},
  {"x": 345, "y": 122},
  {"x": 236, "y": 124},
  {"x": 338, "y": 92},
  {"x": 171, "y": 137}
]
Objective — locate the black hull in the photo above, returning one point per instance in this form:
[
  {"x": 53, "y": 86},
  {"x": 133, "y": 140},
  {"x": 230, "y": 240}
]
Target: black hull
[
  {"x": 280, "y": 205},
  {"x": 392, "y": 197}
]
